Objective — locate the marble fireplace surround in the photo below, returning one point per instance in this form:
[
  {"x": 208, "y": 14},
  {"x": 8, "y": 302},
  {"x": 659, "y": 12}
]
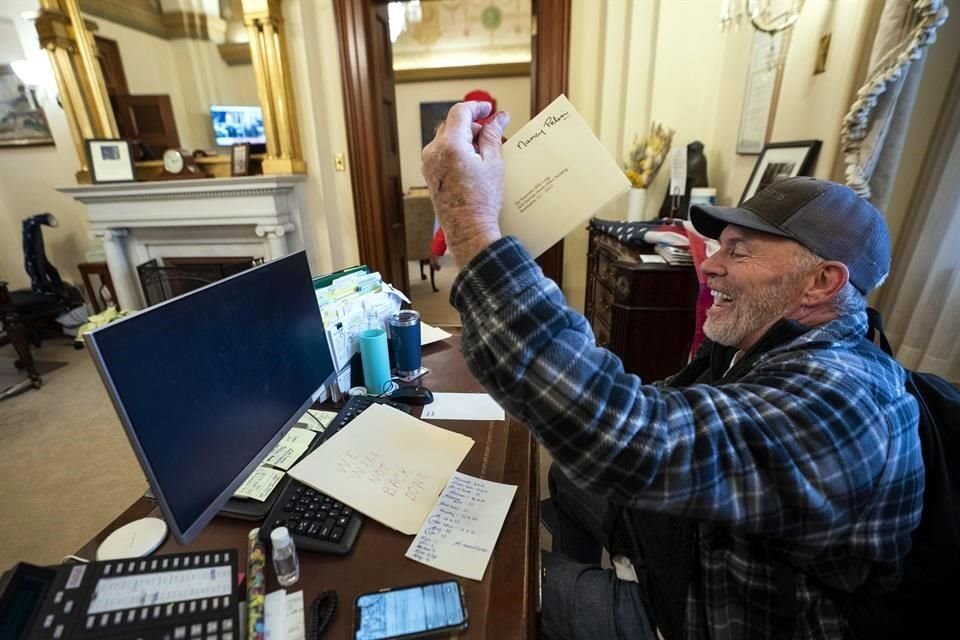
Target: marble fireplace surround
[{"x": 256, "y": 216}]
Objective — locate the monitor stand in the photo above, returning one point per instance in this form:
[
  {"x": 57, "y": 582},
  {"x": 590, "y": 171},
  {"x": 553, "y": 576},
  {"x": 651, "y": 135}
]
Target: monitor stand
[{"x": 133, "y": 540}]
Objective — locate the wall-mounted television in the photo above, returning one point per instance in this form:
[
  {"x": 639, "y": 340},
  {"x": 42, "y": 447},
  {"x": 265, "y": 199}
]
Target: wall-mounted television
[{"x": 237, "y": 124}]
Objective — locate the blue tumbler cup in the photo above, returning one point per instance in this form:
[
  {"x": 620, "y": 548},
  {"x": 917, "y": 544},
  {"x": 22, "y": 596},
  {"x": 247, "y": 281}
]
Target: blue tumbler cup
[
  {"x": 375, "y": 360},
  {"x": 405, "y": 334}
]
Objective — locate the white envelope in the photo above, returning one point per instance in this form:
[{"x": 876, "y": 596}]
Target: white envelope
[{"x": 557, "y": 175}]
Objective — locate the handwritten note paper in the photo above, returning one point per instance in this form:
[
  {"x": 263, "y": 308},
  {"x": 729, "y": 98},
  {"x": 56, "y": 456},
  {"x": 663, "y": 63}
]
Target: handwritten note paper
[
  {"x": 318, "y": 420},
  {"x": 260, "y": 484},
  {"x": 461, "y": 530},
  {"x": 290, "y": 448},
  {"x": 387, "y": 465},
  {"x": 462, "y": 406},
  {"x": 558, "y": 174}
]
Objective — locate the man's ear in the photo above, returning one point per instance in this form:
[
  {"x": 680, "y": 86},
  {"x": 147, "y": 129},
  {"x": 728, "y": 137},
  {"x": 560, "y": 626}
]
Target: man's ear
[{"x": 827, "y": 278}]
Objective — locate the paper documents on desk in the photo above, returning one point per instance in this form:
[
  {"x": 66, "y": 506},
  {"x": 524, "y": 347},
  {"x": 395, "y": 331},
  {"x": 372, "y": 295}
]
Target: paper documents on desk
[
  {"x": 461, "y": 530},
  {"x": 430, "y": 334},
  {"x": 557, "y": 175},
  {"x": 462, "y": 406},
  {"x": 387, "y": 465},
  {"x": 290, "y": 448}
]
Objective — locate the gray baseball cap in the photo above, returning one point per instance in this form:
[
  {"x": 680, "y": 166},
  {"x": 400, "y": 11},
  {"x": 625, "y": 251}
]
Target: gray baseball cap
[{"x": 828, "y": 218}]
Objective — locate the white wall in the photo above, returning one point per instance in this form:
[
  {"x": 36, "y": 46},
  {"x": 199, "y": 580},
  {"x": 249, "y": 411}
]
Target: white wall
[
  {"x": 28, "y": 177},
  {"x": 327, "y": 196},
  {"x": 511, "y": 94},
  {"x": 633, "y": 62}
]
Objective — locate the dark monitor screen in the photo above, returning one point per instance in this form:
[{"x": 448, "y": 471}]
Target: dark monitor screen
[{"x": 207, "y": 383}]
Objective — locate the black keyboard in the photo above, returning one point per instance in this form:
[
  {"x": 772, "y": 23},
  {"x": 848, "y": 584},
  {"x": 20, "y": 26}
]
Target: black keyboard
[{"x": 316, "y": 521}]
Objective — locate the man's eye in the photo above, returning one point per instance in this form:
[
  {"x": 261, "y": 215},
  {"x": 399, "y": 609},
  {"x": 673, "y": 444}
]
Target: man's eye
[{"x": 739, "y": 255}]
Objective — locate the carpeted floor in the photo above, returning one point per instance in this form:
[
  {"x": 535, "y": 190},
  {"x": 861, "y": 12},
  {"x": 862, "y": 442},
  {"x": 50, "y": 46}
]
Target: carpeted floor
[
  {"x": 434, "y": 307},
  {"x": 67, "y": 469}
]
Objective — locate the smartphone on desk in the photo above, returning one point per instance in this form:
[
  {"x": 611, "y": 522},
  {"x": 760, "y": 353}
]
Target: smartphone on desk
[{"x": 429, "y": 610}]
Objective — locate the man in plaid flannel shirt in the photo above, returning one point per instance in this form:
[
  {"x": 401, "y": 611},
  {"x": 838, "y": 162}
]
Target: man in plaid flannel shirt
[{"x": 781, "y": 467}]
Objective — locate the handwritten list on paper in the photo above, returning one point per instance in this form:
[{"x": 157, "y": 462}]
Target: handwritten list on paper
[
  {"x": 387, "y": 465},
  {"x": 459, "y": 534}
]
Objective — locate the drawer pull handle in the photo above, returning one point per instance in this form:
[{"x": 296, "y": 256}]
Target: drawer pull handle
[{"x": 605, "y": 306}]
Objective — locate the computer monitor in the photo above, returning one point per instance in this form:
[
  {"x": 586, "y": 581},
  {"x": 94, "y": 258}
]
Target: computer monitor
[
  {"x": 206, "y": 384},
  {"x": 237, "y": 124}
]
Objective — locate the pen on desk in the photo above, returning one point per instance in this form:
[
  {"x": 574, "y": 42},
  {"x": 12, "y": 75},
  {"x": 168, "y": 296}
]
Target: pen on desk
[{"x": 256, "y": 585}]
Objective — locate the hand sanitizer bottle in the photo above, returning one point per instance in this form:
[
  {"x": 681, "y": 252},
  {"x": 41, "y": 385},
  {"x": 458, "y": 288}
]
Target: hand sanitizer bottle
[{"x": 285, "y": 562}]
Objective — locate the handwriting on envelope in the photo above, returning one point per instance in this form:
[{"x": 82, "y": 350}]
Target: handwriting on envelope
[{"x": 557, "y": 175}]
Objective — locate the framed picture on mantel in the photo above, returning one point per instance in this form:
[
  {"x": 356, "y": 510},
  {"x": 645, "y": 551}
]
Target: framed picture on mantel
[{"x": 110, "y": 161}]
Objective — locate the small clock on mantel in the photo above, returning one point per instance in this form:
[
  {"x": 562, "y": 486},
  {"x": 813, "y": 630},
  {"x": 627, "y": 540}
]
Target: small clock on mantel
[{"x": 179, "y": 164}]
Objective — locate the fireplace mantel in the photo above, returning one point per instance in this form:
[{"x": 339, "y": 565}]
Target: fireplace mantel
[{"x": 258, "y": 216}]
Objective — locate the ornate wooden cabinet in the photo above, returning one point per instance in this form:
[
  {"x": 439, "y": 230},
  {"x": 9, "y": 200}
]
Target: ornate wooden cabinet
[{"x": 643, "y": 312}]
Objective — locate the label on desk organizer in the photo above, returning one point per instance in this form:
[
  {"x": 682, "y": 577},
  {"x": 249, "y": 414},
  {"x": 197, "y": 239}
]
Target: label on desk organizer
[{"x": 128, "y": 592}]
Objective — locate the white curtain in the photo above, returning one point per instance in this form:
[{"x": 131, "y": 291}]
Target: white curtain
[
  {"x": 921, "y": 302},
  {"x": 874, "y": 129}
]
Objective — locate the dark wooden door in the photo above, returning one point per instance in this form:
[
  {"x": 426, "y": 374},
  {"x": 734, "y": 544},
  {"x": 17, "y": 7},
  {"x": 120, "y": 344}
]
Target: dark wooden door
[
  {"x": 148, "y": 119},
  {"x": 370, "y": 102},
  {"x": 550, "y": 51},
  {"x": 108, "y": 53}
]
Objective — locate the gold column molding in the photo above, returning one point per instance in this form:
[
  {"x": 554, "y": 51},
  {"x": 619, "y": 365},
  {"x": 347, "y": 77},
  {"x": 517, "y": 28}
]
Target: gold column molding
[
  {"x": 271, "y": 65},
  {"x": 69, "y": 43}
]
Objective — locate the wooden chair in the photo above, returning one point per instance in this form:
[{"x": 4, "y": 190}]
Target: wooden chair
[{"x": 418, "y": 224}]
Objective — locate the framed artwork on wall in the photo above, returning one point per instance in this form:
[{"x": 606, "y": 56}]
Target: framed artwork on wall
[
  {"x": 779, "y": 160},
  {"x": 22, "y": 121},
  {"x": 431, "y": 115},
  {"x": 110, "y": 161},
  {"x": 761, "y": 92}
]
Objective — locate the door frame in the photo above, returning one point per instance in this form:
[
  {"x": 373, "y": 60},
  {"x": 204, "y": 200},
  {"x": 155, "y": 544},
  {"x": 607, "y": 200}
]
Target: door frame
[{"x": 549, "y": 73}]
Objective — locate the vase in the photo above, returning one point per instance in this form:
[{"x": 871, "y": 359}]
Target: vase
[{"x": 636, "y": 204}]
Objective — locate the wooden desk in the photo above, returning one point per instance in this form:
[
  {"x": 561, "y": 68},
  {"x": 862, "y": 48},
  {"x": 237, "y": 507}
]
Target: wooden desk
[{"x": 503, "y": 605}]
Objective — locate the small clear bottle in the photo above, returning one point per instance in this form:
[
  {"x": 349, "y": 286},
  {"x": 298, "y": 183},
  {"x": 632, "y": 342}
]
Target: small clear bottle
[{"x": 285, "y": 562}]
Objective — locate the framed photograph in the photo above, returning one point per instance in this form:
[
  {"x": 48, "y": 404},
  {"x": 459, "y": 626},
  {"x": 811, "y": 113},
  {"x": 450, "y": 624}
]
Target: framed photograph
[
  {"x": 110, "y": 161},
  {"x": 779, "y": 160},
  {"x": 22, "y": 121},
  {"x": 240, "y": 159},
  {"x": 431, "y": 115},
  {"x": 762, "y": 90}
]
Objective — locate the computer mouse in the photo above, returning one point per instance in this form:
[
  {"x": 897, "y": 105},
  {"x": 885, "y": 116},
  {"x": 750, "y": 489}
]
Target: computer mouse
[{"x": 413, "y": 395}]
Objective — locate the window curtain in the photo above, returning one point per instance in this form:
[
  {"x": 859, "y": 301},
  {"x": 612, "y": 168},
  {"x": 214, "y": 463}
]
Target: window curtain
[
  {"x": 874, "y": 129},
  {"x": 921, "y": 300}
]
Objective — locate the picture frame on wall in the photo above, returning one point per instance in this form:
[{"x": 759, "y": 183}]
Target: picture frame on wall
[
  {"x": 240, "y": 159},
  {"x": 761, "y": 91},
  {"x": 110, "y": 160},
  {"x": 431, "y": 115},
  {"x": 780, "y": 160},
  {"x": 22, "y": 121}
]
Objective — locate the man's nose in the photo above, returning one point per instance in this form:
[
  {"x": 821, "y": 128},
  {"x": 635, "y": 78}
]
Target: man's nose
[{"x": 712, "y": 266}]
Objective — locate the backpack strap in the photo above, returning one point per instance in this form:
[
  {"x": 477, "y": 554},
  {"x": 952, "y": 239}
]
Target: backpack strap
[{"x": 875, "y": 332}]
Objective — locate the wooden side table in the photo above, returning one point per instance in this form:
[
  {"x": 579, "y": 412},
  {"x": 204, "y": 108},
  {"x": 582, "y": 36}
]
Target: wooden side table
[{"x": 96, "y": 297}]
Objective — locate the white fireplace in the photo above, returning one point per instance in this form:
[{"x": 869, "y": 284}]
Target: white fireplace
[{"x": 255, "y": 216}]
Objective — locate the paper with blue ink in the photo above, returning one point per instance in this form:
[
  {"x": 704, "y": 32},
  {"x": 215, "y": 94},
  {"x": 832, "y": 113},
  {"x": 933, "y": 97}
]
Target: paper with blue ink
[{"x": 460, "y": 533}]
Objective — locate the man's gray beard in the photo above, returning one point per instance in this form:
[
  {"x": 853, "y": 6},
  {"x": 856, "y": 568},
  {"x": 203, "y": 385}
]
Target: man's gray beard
[{"x": 752, "y": 311}]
